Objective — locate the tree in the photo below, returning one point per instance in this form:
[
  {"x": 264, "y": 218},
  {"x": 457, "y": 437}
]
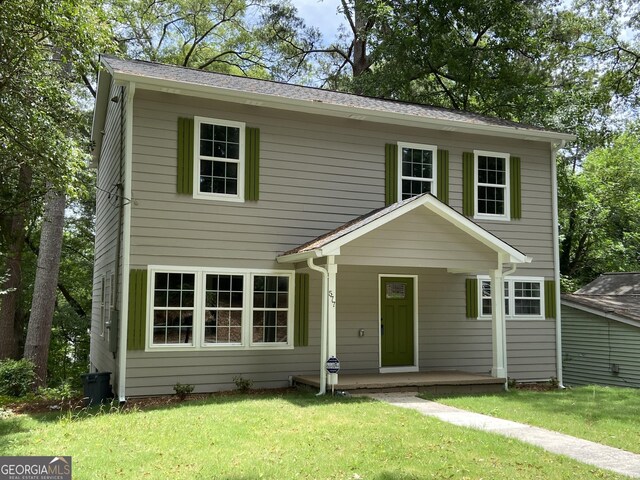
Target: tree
[
  {"x": 217, "y": 35},
  {"x": 600, "y": 211},
  {"x": 36, "y": 346},
  {"x": 41, "y": 136}
]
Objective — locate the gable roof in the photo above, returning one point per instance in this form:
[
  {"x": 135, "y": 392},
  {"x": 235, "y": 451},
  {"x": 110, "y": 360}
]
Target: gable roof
[
  {"x": 615, "y": 295},
  {"x": 252, "y": 91},
  {"x": 330, "y": 242}
]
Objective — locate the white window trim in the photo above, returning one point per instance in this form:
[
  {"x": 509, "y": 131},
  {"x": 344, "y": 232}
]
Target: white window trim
[
  {"x": 510, "y": 281},
  {"x": 197, "y": 121},
  {"x": 434, "y": 170},
  {"x": 198, "y": 343},
  {"x": 507, "y": 188}
]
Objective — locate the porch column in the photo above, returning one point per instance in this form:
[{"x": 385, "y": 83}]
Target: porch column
[
  {"x": 332, "y": 270},
  {"x": 498, "y": 326}
]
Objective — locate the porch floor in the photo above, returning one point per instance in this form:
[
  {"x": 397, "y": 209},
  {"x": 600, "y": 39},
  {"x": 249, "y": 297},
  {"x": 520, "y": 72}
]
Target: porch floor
[{"x": 440, "y": 382}]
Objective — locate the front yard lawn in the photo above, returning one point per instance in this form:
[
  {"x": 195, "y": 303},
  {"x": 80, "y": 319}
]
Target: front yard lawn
[
  {"x": 293, "y": 435},
  {"x": 608, "y": 415}
]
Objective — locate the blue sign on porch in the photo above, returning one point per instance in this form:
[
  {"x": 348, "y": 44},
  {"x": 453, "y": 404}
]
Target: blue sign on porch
[{"x": 333, "y": 365}]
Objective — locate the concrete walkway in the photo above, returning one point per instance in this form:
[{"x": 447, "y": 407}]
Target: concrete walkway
[{"x": 609, "y": 458}]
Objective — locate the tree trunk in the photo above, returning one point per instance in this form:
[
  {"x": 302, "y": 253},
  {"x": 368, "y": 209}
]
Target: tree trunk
[
  {"x": 12, "y": 228},
  {"x": 361, "y": 62},
  {"x": 11, "y": 285},
  {"x": 36, "y": 346}
]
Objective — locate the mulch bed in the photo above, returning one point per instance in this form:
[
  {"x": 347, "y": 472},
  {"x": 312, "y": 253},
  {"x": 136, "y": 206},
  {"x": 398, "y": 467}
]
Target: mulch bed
[{"x": 140, "y": 403}]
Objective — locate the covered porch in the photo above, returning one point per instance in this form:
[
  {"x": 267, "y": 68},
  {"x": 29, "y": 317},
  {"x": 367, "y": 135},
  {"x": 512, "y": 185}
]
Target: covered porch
[
  {"x": 397, "y": 246},
  {"x": 437, "y": 382}
]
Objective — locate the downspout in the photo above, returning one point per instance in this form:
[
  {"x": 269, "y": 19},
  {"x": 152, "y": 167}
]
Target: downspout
[
  {"x": 556, "y": 260},
  {"x": 116, "y": 270},
  {"x": 323, "y": 324},
  {"x": 126, "y": 244}
]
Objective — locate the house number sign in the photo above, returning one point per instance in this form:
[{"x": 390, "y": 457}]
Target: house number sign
[{"x": 333, "y": 365}]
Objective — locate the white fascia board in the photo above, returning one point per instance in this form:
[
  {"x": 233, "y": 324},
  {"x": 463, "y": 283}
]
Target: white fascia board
[
  {"x": 483, "y": 236},
  {"x": 298, "y": 257},
  {"x": 600, "y": 313},
  {"x": 103, "y": 89},
  {"x": 342, "y": 111}
]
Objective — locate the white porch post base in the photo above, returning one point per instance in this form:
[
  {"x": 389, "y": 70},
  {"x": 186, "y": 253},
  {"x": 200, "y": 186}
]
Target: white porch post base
[{"x": 498, "y": 372}]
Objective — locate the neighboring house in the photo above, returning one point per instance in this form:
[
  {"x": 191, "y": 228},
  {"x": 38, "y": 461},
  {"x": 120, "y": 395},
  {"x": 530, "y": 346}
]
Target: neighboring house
[
  {"x": 601, "y": 332},
  {"x": 255, "y": 228}
]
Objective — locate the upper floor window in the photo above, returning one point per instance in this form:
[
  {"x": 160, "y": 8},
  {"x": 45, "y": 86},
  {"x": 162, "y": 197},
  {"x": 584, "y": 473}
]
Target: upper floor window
[
  {"x": 492, "y": 185},
  {"x": 219, "y": 159},
  {"x": 417, "y": 165},
  {"x": 523, "y": 297}
]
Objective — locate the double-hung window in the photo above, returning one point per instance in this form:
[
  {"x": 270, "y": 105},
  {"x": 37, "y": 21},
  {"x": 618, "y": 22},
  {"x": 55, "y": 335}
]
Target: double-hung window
[
  {"x": 492, "y": 185},
  {"x": 523, "y": 297},
  {"x": 200, "y": 308},
  {"x": 417, "y": 165},
  {"x": 219, "y": 159}
]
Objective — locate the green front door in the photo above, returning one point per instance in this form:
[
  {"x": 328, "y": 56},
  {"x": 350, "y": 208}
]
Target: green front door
[{"x": 396, "y": 322}]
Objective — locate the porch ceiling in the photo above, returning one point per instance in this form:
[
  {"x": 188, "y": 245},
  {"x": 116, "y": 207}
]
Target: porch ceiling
[{"x": 417, "y": 232}]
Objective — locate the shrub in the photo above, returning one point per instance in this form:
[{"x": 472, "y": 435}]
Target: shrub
[
  {"x": 182, "y": 390},
  {"x": 242, "y": 384},
  {"x": 16, "y": 377}
]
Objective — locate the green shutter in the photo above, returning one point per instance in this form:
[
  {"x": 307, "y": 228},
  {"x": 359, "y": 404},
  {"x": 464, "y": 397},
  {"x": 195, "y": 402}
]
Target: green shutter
[
  {"x": 443, "y": 176},
  {"x": 391, "y": 173},
  {"x": 516, "y": 188},
  {"x": 550, "y": 299},
  {"x": 252, "y": 164},
  {"x": 137, "y": 309},
  {"x": 185, "y": 156},
  {"x": 468, "y": 184},
  {"x": 472, "y": 297},
  {"x": 301, "y": 310}
]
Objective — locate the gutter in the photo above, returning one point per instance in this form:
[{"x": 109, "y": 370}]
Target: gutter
[
  {"x": 556, "y": 261},
  {"x": 323, "y": 324}
]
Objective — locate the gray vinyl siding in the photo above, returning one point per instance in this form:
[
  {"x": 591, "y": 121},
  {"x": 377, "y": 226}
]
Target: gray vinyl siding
[
  {"x": 106, "y": 231},
  {"x": 317, "y": 173},
  {"x": 447, "y": 340},
  {"x": 591, "y": 343}
]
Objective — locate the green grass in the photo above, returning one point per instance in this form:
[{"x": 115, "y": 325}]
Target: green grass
[
  {"x": 607, "y": 415},
  {"x": 279, "y": 436}
]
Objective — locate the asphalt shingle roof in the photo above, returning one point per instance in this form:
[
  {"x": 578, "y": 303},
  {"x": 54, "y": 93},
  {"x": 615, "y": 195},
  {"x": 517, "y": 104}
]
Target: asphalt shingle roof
[
  {"x": 617, "y": 293},
  {"x": 143, "y": 69}
]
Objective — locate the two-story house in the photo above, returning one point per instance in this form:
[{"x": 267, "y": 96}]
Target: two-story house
[{"x": 252, "y": 228}]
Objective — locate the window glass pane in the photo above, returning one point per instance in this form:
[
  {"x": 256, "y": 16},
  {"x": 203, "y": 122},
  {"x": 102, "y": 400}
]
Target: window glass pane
[
  {"x": 395, "y": 290},
  {"x": 173, "y": 308},
  {"x": 270, "y": 308},
  {"x": 223, "y": 308},
  {"x": 206, "y": 131}
]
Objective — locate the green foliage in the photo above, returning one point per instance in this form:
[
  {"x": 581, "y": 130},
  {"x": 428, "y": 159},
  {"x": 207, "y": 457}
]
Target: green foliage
[
  {"x": 600, "y": 211},
  {"x": 183, "y": 390},
  {"x": 16, "y": 377},
  {"x": 264, "y": 39},
  {"x": 242, "y": 384}
]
